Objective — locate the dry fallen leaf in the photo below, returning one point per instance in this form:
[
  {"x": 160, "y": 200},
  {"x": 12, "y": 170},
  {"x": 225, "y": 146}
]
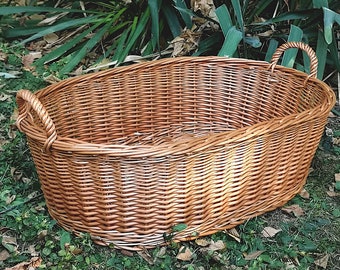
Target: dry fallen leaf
[
  {"x": 184, "y": 254},
  {"x": 333, "y": 193},
  {"x": 337, "y": 177},
  {"x": 31, "y": 250},
  {"x": 202, "y": 242},
  {"x": 4, "y": 97},
  {"x": 3, "y": 56},
  {"x": 205, "y": 6},
  {"x": 146, "y": 256},
  {"x": 218, "y": 245},
  {"x": 304, "y": 194},
  {"x": 233, "y": 233},
  {"x": 126, "y": 252},
  {"x": 9, "y": 242},
  {"x": 51, "y": 38},
  {"x": 253, "y": 255},
  {"x": 31, "y": 265},
  {"x": 4, "y": 255},
  {"x": 270, "y": 232},
  {"x": 42, "y": 234},
  {"x": 295, "y": 209},
  {"x": 322, "y": 262},
  {"x": 27, "y": 60},
  {"x": 160, "y": 253}
]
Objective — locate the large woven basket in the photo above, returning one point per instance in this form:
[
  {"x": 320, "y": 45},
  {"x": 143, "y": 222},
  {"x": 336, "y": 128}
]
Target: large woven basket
[{"x": 127, "y": 153}]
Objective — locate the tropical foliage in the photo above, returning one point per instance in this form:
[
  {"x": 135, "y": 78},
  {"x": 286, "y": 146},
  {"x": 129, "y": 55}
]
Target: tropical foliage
[{"x": 120, "y": 31}]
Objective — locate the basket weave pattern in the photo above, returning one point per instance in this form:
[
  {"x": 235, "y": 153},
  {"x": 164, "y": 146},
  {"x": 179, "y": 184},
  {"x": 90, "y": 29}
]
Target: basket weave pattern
[{"x": 127, "y": 153}]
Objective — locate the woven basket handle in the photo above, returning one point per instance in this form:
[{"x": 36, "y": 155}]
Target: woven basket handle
[
  {"x": 27, "y": 100},
  {"x": 299, "y": 45}
]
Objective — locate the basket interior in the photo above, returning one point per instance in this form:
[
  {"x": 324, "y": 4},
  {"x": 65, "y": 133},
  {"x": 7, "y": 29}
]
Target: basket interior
[{"x": 169, "y": 101}]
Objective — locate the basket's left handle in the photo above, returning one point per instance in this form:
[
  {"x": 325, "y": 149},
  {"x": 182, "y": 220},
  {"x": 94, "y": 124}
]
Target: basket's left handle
[
  {"x": 299, "y": 45},
  {"x": 27, "y": 100}
]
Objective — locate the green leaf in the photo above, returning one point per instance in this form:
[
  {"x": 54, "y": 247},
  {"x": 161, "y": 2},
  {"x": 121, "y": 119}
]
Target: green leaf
[
  {"x": 179, "y": 227},
  {"x": 231, "y": 42},
  {"x": 336, "y": 212},
  {"x": 22, "y": 31},
  {"x": 320, "y": 3},
  {"x": 329, "y": 17},
  {"x": 32, "y": 9},
  {"x": 273, "y": 44},
  {"x": 61, "y": 26},
  {"x": 337, "y": 185},
  {"x": 172, "y": 20},
  {"x": 260, "y": 7},
  {"x": 85, "y": 49},
  {"x": 224, "y": 19},
  {"x": 288, "y": 16},
  {"x": 154, "y": 10},
  {"x": 65, "y": 238},
  {"x": 208, "y": 44},
  {"x": 253, "y": 41},
  {"x": 238, "y": 11},
  {"x": 308, "y": 245},
  {"x": 334, "y": 53},
  {"x": 321, "y": 54},
  {"x": 46, "y": 251},
  {"x": 56, "y": 53},
  {"x": 186, "y": 13},
  {"x": 289, "y": 56},
  {"x": 136, "y": 31},
  {"x": 121, "y": 43}
]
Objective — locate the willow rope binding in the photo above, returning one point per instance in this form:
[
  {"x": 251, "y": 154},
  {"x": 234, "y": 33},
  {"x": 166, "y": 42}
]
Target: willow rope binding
[{"x": 127, "y": 153}]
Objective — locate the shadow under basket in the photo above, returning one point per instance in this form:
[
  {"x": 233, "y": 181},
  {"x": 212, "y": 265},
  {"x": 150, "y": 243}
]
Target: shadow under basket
[{"x": 127, "y": 153}]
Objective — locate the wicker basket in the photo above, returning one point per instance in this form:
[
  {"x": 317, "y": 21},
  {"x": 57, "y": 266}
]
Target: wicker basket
[{"x": 127, "y": 153}]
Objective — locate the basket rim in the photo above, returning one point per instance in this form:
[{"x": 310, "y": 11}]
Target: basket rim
[{"x": 194, "y": 145}]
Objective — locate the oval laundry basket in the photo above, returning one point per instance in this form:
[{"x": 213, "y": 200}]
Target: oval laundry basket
[{"x": 128, "y": 153}]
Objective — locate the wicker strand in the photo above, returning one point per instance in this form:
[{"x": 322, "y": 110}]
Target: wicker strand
[
  {"x": 24, "y": 97},
  {"x": 299, "y": 45}
]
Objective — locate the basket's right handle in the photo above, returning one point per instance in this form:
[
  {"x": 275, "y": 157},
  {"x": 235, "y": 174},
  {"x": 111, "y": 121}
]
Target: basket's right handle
[
  {"x": 27, "y": 100},
  {"x": 299, "y": 45}
]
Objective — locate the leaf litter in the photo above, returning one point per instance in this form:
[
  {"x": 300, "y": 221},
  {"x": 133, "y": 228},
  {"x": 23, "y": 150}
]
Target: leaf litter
[{"x": 294, "y": 209}]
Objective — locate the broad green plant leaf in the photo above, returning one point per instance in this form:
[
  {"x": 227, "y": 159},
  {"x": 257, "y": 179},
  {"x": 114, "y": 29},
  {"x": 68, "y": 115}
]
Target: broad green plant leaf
[
  {"x": 231, "y": 42},
  {"x": 120, "y": 46},
  {"x": 321, "y": 53},
  {"x": 329, "y": 18},
  {"x": 85, "y": 49},
  {"x": 186, "y": 13},
  {"x": 179, "y": 227},
  {"x": 289, "y": 56},
  {"x": 61, "y": 26},
  {"x": 238, "y": 12},
  {"x": 56, "y": 53},
  {"x": 32, "y": 9},
  {"x": 289, "y": 16},
  {"x": 224, "y": 18},
  {"x": 154, "y": 6},
  {"x": 334, "y": 53},
  {"x": 172, "y": 20},
  {"x": 137, "y": 29},
  {"x": 260, "y": 7},
  {"x": 320, "y": 3},
  {"x": 207, "y": 44},
  {"x": 273, "y": 44},
  {"x": 253, "y": 41},
  {"x": 65, "y": 238},
  {"x": 22, "y": 31}
]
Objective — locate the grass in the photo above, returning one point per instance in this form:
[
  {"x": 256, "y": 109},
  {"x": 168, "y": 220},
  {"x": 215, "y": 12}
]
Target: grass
[{"x": 29, "y": 235}]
